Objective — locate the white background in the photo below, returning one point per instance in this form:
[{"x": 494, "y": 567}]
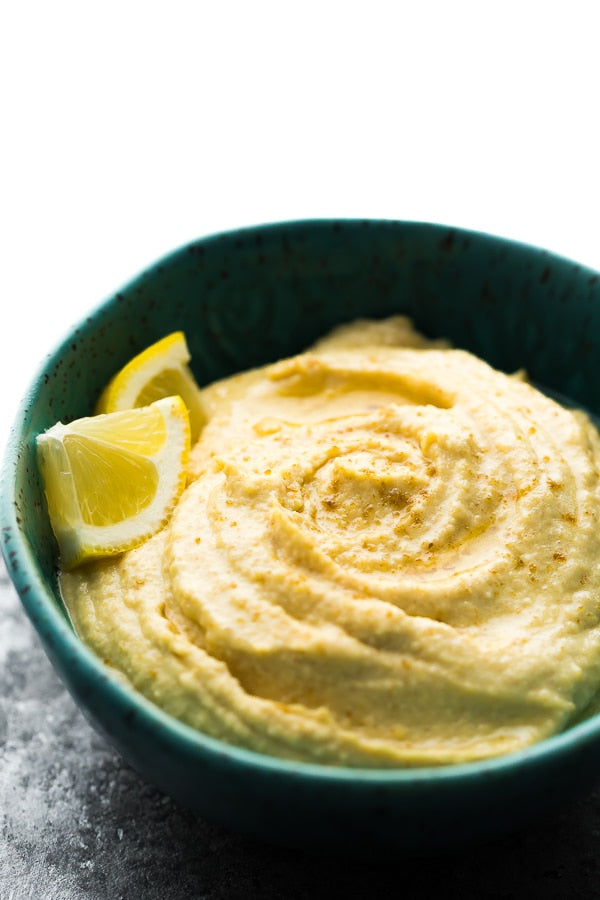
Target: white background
[{"x": 128, "y": 128}]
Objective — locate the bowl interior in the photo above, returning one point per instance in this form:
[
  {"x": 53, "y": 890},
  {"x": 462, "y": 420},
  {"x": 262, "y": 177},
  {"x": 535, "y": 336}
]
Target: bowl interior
[{"x": 249, "y": 297}]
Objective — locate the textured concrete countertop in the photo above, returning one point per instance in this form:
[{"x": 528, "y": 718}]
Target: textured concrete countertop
[{"x": 78, "y": 822}]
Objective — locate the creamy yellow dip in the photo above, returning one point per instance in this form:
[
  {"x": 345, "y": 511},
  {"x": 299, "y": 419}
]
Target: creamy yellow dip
[{"x": 388, "y": 554}]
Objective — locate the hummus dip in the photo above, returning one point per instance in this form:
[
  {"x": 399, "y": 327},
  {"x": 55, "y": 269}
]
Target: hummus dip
[{"x": 388, "y": 554}]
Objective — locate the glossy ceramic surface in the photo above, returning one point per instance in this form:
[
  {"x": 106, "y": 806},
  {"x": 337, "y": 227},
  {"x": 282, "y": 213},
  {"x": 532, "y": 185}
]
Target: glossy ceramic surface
[{"x": 252, "y": 296}]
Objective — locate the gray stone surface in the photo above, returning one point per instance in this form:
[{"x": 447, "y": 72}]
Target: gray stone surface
[{"x": 77, "y": 822}]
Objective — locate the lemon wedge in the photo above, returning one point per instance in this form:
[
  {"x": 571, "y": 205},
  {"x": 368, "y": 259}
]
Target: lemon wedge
[
  {"x": 160, "y": 370},
  {"x": 111, "y": 481}
]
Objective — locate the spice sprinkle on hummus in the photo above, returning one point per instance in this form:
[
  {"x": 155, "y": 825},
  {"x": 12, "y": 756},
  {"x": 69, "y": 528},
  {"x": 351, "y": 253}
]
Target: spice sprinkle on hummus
[{"x": 387, "y": 554}]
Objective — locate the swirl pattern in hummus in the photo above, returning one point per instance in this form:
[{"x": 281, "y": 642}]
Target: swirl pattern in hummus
[{"x": 387, "y": 555}]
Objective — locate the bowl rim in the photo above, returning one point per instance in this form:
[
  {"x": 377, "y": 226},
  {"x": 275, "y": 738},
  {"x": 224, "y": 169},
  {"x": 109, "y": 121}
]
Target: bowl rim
[{"x": 59, "y": 638}]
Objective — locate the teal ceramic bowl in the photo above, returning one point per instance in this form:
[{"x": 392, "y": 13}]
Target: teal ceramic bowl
[{"x": 252, "y": 296}]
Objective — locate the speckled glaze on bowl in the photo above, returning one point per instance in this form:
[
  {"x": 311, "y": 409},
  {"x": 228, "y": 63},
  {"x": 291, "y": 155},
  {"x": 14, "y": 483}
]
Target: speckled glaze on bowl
[{"x": 248, "y": 297}]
